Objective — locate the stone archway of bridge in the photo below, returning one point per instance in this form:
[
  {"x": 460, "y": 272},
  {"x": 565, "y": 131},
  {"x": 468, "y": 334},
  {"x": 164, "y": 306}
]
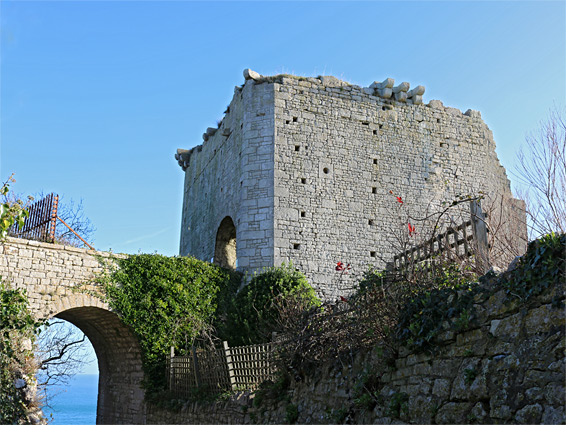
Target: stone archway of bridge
[{"x": 120, "y": 395}]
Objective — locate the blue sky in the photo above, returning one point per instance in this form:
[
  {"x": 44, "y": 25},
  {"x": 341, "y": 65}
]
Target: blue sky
[{"x": 97, "y": 96}]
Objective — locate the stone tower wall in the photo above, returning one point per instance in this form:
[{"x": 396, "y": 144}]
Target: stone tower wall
[
  {"x": 340, "y": 150},
  {"x": 231, "y": 174},
  {"x": 309, "y": 169}
]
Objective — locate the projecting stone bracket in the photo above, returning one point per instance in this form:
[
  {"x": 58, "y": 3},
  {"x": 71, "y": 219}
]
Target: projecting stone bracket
[{"x": 182, "y": 156}]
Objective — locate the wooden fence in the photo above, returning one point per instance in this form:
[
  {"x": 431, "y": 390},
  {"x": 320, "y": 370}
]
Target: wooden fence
[
  {"x": 469, "y": 239},
  {"x": 221, "y": 369}
]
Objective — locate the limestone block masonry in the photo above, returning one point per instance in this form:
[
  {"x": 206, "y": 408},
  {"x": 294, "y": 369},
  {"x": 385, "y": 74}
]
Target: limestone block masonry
[
  {"x": 304, "y": 168},
  {"x": 58, "y": 281}
]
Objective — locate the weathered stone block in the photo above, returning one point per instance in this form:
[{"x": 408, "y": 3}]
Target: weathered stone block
[
  {"x": 453, "y": 413},
  {"x": 507, "y": 328},
  {"x": 441, "y": 388},
  {"x": 530, "y": 414},
  {"x": 553, "y": 415},
  {"x": 541, "y": 320}
]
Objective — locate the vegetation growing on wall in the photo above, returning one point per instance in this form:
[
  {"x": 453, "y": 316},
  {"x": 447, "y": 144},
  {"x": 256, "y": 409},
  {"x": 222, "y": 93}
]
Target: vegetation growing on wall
[
  {"x": 543, "y": 265},
  {"x": 391, "y": 310},
  {"x": 168, "y": 301},
  {"x": 451, "y": 306},
  {"x": 424, "y": 313},
  {"x": 17, "y": 366},
  {"x": 17, "y": 332},
  {"x": 254, "y": 313},
  {"x": 446, "y": 304}
]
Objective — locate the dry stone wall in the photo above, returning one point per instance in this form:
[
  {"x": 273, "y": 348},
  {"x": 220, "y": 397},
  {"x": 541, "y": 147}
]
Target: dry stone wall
[
  {"x": 509, "y": 368},
  {"x": 306, "y": 168}
]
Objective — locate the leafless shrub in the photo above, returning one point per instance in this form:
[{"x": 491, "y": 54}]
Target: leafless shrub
[
  {"x": 371, "y": 313},
  {"x": 73, "y": 214},
  {"x": 309, "y": 336},
  {"x": 542, "y": 172}
]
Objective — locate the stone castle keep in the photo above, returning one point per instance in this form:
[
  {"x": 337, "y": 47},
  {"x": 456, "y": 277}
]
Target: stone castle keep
[{"x": 301, "y": 169}]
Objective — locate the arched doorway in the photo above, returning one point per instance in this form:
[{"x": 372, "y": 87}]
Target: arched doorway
[{"x": 225, "y": 248}]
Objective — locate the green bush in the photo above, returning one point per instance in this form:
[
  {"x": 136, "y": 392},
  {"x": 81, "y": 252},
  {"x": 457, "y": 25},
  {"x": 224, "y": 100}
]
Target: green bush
[
  {"x": 168, "y": 301},
  {"x": 253, "y": 314}
]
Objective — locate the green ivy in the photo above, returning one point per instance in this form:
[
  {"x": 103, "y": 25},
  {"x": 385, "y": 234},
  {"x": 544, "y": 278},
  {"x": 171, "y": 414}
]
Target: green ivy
[
  {"x": 253, "y": 313},
  {"x": 168, "y": 301},
  {"x": 291, "y": 413},
  {"x": 543, "y": 266},
  {"x": 470, "y": 375},
  {"x": 398, "y": 405},
  {"x": 426, "y": 313}
]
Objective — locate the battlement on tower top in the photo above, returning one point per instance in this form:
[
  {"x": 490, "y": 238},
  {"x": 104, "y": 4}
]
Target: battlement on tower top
[{"x": 385, "y": 93}]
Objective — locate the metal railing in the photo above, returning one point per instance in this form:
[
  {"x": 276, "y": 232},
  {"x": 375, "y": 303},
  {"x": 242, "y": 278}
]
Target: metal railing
[{"x": 42, "y": 220}]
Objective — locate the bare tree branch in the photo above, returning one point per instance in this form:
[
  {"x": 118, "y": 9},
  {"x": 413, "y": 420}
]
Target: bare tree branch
[
  {"x": 541, "y": 171},
  {"x": 62, "y": 353}
]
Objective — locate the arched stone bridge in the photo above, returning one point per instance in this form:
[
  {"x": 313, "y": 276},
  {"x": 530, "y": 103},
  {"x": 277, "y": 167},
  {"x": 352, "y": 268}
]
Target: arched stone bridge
[{"x": 51, "y": 275}]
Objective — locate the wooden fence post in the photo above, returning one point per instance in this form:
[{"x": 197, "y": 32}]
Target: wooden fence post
[
  {"x": 171, "y": 369},
  {"x": 196, "y": 367},
  {"x": 479, "y": 230},
  {"x": 228, "y": 353}
]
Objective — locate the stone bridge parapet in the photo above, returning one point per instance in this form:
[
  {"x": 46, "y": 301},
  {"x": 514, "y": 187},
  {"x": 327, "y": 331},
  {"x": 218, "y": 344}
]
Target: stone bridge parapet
[{"x": 51, "y": 275}]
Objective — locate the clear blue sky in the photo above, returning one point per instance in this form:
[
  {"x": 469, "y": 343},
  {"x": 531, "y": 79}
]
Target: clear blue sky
[{"x": 97, "y": 96}]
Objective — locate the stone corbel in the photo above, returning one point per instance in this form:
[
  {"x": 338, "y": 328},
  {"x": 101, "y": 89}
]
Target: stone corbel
[
  {"x": 385, "y": 88},
  {"x": 182, "y": 156}
]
